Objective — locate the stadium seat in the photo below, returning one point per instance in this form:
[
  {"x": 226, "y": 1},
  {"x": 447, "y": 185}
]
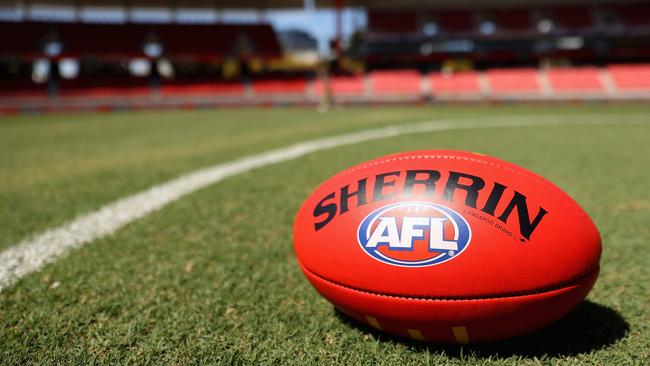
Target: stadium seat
[
  {"x": 280, "y": 86},
  {"x": 194, "y": 41},
  {"x": 575, "y": 79},
  {"x": 630, "y": 77},
  {"x": 455, "y": 20},
  {"x": 21, "y": 88},
  {"x": 397, "y": 82},
  {"x": 346, "y": 85},
  {"x": 392, "y": 22},
  {"x": 513, "y": 80},
  {"x": 201, "y": 85},
  {"x": 106, "y": 40},
  {"x": 466, "y": 82},
  {"x": 105, "y": 86},
  {"x": 632, "y": 13},
  {"x": 220, "y": 40},
  {"x": 22, "y": 39},
  {"x": 512, "y": 19},
  {"x": 267, "y": 41},
  {"x": 572, "y": 16}
]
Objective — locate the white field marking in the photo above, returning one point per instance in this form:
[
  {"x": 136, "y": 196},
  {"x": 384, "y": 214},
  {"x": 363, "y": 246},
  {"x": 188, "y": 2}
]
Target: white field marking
[{"x": 33, "y": 253}]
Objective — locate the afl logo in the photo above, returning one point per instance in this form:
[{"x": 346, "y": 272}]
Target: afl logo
[{"x": 414, "y": 234}]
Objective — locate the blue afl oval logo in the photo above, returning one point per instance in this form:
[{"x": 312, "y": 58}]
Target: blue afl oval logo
[{"x": 414, "y": 234}]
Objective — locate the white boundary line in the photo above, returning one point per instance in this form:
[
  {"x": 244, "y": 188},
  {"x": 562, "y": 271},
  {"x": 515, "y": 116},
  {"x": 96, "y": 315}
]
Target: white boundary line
[{"x": 33, "y": 253}]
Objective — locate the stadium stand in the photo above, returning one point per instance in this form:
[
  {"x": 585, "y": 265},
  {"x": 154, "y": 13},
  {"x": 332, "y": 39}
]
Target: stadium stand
[
  {"x": 22, "y": 40},
  {"x": 392, "y": 22},
  {"x": 212, "y": 41},
  {"x": 201, "y": 85},
  {"x": 179, "y": 40},
  {"x": 630, "y": 77},
  {"x": 631, "y": 14},
  {"x": 105, "y": 86},
  {"x": 508, "y": 36},
  {"x": 572, "y": 17},
  {"x": 266, "y": 38},
  {"x": 105, "y": 48},
  {"x": 455, "y": 21},
  {"x": 396, "y": 82},
  {"x": 460, "y": 83},
  {"x": 21, "y": 88},
  {"x": 104, "y": 40},
  {"x": 513, "y": 80},
  {"x": 195, "y": 41},
  {"x": 280, "y": 86},
  {"x": 496, "y": 52},
  {"x": 583, "y": 79},
  {"x": 514, "y": 19},
  {"x": 343, "y": 85}
]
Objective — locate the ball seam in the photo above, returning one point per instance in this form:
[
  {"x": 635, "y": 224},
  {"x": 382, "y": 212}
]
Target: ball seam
[{"x": 504, "y": 295}]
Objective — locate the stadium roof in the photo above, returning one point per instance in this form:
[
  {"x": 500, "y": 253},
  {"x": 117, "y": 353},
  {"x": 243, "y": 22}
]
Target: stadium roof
[
  {"x": 218, "y": 4},
  {"x": 465, "y": 3},
  {"x": 283, "y": 4}
]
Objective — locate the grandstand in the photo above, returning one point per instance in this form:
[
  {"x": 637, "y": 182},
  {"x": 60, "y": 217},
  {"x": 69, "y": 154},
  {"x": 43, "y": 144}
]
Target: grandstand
[{"x": 413, "y": 51}]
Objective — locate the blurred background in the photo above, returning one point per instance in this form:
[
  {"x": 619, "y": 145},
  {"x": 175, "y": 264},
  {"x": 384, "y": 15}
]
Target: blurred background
[{"x": 116, "y": 54}]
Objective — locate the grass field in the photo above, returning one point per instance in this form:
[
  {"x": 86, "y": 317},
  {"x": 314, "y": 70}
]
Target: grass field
[{"x": 212, "y": 278}]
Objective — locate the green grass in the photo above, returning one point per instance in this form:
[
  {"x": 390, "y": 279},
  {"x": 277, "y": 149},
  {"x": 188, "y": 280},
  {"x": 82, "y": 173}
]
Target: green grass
[{"x": 212, "y": 277}]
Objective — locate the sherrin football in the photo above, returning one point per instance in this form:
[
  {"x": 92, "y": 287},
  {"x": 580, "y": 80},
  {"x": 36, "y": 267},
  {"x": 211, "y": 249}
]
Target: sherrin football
[{"x": 447, "y": 246}]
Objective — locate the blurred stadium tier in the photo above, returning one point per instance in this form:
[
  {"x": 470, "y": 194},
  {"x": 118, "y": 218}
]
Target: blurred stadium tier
[
  {"x": 616, "y": 32},
  {"x": 409, "y": 51}
]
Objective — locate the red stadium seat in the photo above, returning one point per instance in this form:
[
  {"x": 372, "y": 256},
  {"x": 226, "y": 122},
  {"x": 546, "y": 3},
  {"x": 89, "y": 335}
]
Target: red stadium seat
[
  {"x": 266, "y": 40},
  {"x": 572, "y": 16},
  {"x": 342, "y": 85},
  {"x": 465, "y": 82},
  {"x": 392, "y": 22},
  {"x": 105, "y": 86},
  {"x": 575, "y": 79},
  {"x": 399, "y": 82},
  {"x": 21, "y": 88},
  {"x": 196, "y": 40},
  {"x": 512, "y": 19},
  {"x": 102, "y": 39},
  {"x": 455, "y": 20},
  {"x": 211, "y": 41},
  {"x": 631, "y": 77},
  {"x": 631, "y": 14},
  {"x": 21, "y": 39},
  {"x": 280, "y": 86},
  {"x": 200, "y": 85},
  {"x": 513, "y": 80},
  {"x": 126, "y": 40}
]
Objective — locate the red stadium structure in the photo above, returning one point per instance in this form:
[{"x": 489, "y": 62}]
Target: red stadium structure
[{"x": 410, "y": 51}]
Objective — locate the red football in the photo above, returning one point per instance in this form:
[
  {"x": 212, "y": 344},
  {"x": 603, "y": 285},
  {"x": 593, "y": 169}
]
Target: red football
[{"x": 447, "y": 246}]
